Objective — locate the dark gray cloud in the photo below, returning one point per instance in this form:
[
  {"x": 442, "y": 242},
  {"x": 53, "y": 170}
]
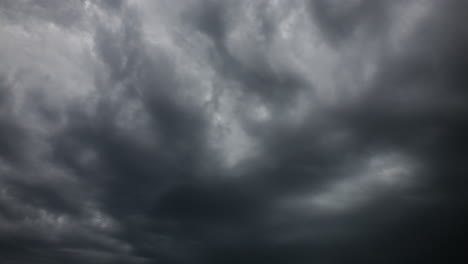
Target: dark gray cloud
[{"x": 233, "y": 131}]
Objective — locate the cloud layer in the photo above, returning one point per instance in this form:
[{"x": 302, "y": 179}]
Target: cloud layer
[{"x": 205, "y": 131}]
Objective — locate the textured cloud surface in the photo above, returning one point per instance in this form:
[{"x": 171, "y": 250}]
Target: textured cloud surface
[{"x": 206, "y": 131}]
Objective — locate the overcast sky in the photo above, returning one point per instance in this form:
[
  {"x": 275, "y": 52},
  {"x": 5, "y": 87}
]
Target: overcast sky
[{"x": 233, "y": 131}]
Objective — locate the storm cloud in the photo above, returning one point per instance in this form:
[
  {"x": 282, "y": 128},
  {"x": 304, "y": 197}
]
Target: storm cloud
[{"x": 204, "y": 131}]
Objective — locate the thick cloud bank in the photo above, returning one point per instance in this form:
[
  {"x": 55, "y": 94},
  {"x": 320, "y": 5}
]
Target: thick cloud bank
[{"x": 205, "y": 131}]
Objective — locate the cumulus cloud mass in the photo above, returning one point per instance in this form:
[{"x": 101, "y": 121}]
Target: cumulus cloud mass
[{"x": 233, "y": 131}]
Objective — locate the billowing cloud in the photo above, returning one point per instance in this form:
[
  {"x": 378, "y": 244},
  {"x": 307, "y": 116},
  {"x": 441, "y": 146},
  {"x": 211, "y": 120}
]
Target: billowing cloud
[{"x": 207, "y": 131}]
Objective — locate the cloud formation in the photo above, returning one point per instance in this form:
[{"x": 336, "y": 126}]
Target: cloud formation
[{"x": 202, "y": 131}]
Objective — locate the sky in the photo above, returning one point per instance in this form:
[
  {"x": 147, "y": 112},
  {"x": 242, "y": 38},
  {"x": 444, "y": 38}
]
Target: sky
[{"x": 233, "y": 131}]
